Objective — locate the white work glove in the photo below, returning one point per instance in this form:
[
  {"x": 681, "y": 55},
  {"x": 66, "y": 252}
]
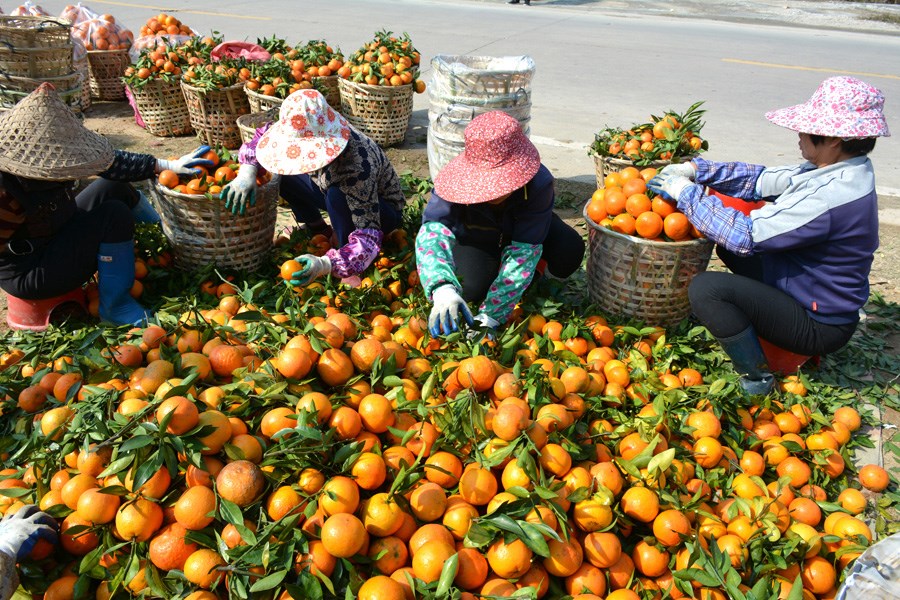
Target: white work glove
[
  {"x": 486, "y": 327},
  {"x": 669, "y": 185},
  {"x": 448, "y": 305},
  {"x": 240, "y": 191},
  {"x": 685, "y": 169},
  {"x": 19, "y": 532},
  {"x": 312, "y": 267},
  {"x": 185, "y": 165}
]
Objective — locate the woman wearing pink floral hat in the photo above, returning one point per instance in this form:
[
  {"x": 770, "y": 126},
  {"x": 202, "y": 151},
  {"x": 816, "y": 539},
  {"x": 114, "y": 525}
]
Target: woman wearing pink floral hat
[
  {"x": 488, "y": 223},
  {"x": 800, "y": 264},
  {"x": 327, "y": 165}
]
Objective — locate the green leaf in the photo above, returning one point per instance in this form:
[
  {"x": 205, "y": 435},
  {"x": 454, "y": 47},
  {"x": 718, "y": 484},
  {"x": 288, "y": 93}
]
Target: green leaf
[
  {"x": 698, "y": 575},
  {"x": 269, "y": 581},
  {"x": 448, "y": 572},
  {"x": 231, "y": 512}
]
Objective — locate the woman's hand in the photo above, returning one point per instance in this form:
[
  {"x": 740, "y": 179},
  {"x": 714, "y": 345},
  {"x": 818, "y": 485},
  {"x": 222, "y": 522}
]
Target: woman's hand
[
  {"x": 20, "y": 531},
  {"x": 312, "y": 267},
  {"x": 185, "y": 165},
  {"x": 240, "y": 192},
  {"x": 448, "y": 306}
]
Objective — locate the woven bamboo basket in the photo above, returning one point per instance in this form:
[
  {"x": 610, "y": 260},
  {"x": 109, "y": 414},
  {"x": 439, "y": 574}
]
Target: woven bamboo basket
[
  {"x": 214, "y": 113},
  {"x": 607, "y": 164},
  {"x": 331, "y": 89},
  {"x": 203, "y": 233},
  {"x": 260, "y": 102},
  {"x": 68, "y": 87},
  {"x": 248, "y": 124},
  {"x": 81, "y": 65},
  {"x": 162, "y": 108},
  {"x": 381, "y": 112},
  {"x": 642, "y": 279},
  {"x": 107, "y": 68},
  {"x": 35, "y": 47}
]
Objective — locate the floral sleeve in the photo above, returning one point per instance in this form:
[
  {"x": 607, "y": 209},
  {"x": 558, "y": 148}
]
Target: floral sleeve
[
  {"x": 354, "y": 257},
  {"x": 434, "y": 256},
  {"x": 517, "y": 266}
]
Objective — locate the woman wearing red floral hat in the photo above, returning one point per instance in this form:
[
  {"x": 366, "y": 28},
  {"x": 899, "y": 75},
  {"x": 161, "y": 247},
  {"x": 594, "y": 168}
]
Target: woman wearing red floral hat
[
  {"x": 800, "y": 264},
  {"x": 489, "y": 221},
  {"x": 327, "y": 165}
]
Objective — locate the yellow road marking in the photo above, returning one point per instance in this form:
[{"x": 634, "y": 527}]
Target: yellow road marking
[
  {"x": 187, "y": 11},
  {"x": 817, "y": 69}
]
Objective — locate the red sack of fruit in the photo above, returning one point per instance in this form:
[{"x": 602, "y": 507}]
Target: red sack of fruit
[
  {"x": 239, "y": 50},
  {"x": 29, "y": 9}
]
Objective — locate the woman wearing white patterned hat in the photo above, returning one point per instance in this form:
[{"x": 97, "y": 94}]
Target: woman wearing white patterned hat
[
  {"x": 487, "y": 226},
  {"x": 52, "y": 240},
  {"x": 800, "y": 264},
  {"x": 327, "y": 165}
]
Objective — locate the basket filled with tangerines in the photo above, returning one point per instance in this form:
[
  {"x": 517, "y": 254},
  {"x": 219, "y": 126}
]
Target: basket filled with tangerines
[
  {"x": 202, "y": 231},
  {"x": 672, "y": 137},
  {"x": 643, "y": 252},
  {"x": 377, "y": 85}
]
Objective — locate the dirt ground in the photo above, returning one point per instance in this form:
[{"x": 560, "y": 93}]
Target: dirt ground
[{"x": 116, "y": 121}]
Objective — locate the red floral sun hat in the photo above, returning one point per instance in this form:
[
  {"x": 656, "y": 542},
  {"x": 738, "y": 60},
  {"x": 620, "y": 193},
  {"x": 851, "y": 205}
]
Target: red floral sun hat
[
  {"x": 498, "y": 159},
  {"x": 843, "y": 107},
  {"x": 309, "y": 134}
]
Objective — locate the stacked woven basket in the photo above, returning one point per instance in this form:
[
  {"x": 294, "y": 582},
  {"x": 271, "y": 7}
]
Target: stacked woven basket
[
  {"x": 106, "y": 68},
  {"x": 34, "y": 50},
  {"x": 162, "y": 108},
  {"x": 214, "y": 113}
]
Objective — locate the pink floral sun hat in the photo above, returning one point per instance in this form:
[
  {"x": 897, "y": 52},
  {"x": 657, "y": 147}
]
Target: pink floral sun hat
[
  {"x": 843, "y": 107},
  {"x": 498, "y": 159},
  {"x": 309, "y": 134}
]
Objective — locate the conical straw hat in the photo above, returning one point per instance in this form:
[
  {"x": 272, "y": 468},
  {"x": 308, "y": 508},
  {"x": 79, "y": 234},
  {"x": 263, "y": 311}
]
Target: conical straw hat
[{"x": 43, "y": 139}]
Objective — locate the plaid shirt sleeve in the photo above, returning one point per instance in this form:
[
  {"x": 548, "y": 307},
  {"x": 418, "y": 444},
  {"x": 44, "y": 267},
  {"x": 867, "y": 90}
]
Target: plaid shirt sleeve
[{"x": 725, "y": 226}]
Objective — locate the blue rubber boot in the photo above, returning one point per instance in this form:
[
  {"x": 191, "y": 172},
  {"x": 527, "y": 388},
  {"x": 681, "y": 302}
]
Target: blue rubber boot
[
  {"x": 115, "y": 270},
  {"x": 749, "y": 361},
  {"x": 143, "y": 211}
]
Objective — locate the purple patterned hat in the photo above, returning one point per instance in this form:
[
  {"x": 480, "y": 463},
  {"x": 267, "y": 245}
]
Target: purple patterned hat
[
  {"x": 843, "y": 107},
  {"x": 498, "y": 159}
]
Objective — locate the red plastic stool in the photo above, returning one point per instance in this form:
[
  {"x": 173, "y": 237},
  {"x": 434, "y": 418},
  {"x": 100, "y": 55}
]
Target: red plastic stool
[
  {"x": 34, "y": 315},
  {"x": 737, "y": 203},
  {"x": 781, "y": 361}
]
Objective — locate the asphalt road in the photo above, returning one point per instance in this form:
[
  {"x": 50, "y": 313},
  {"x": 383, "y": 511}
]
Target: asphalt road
[{"x": 609, "y": 63}]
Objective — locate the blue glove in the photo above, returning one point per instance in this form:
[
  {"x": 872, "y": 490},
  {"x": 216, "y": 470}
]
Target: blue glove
[
  {"x": 448, "y": 305},
  {"x": 20, "y": 532},
  {"x": 312, "y": 267},
  {"x": 240, "y": 191},
  {"x": 185, "y": 165},
  {"x": 669, "y": 184}
]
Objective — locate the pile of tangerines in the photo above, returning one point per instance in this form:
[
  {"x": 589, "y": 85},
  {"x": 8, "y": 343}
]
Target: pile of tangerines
[
  {"x": 167, "y": 61},
  {"x": 624, "y": 205},
  {"x": 325, "y": 445},
  {"x": 671, "y": 136}
]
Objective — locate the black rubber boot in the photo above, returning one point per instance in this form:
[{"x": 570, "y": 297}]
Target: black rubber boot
[
  {"x": 749, "y": 361},
  {"x": 514, "y": 1}
]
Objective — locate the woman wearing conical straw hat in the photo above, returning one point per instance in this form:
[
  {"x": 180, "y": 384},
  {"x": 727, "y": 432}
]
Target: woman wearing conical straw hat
[{"x": 52, "y": 240}]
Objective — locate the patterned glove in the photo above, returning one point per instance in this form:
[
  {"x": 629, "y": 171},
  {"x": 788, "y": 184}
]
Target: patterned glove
[{"x": 312, "y": 267}]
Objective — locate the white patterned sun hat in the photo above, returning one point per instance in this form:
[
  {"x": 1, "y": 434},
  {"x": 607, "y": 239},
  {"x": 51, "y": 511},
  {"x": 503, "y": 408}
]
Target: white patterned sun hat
[{"x": 309, "y": 134}]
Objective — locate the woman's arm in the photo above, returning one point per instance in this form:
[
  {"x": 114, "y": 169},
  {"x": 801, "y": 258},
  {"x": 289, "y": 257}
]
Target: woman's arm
[
  {"x": 517, "y": 265},
  {"x": 434, "y": 257}
]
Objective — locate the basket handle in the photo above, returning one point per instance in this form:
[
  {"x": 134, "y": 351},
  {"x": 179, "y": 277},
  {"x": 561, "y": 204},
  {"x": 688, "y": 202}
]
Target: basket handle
[
  {"x": 40, "y": 26},
  {"x": 8, "y": 45}
]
